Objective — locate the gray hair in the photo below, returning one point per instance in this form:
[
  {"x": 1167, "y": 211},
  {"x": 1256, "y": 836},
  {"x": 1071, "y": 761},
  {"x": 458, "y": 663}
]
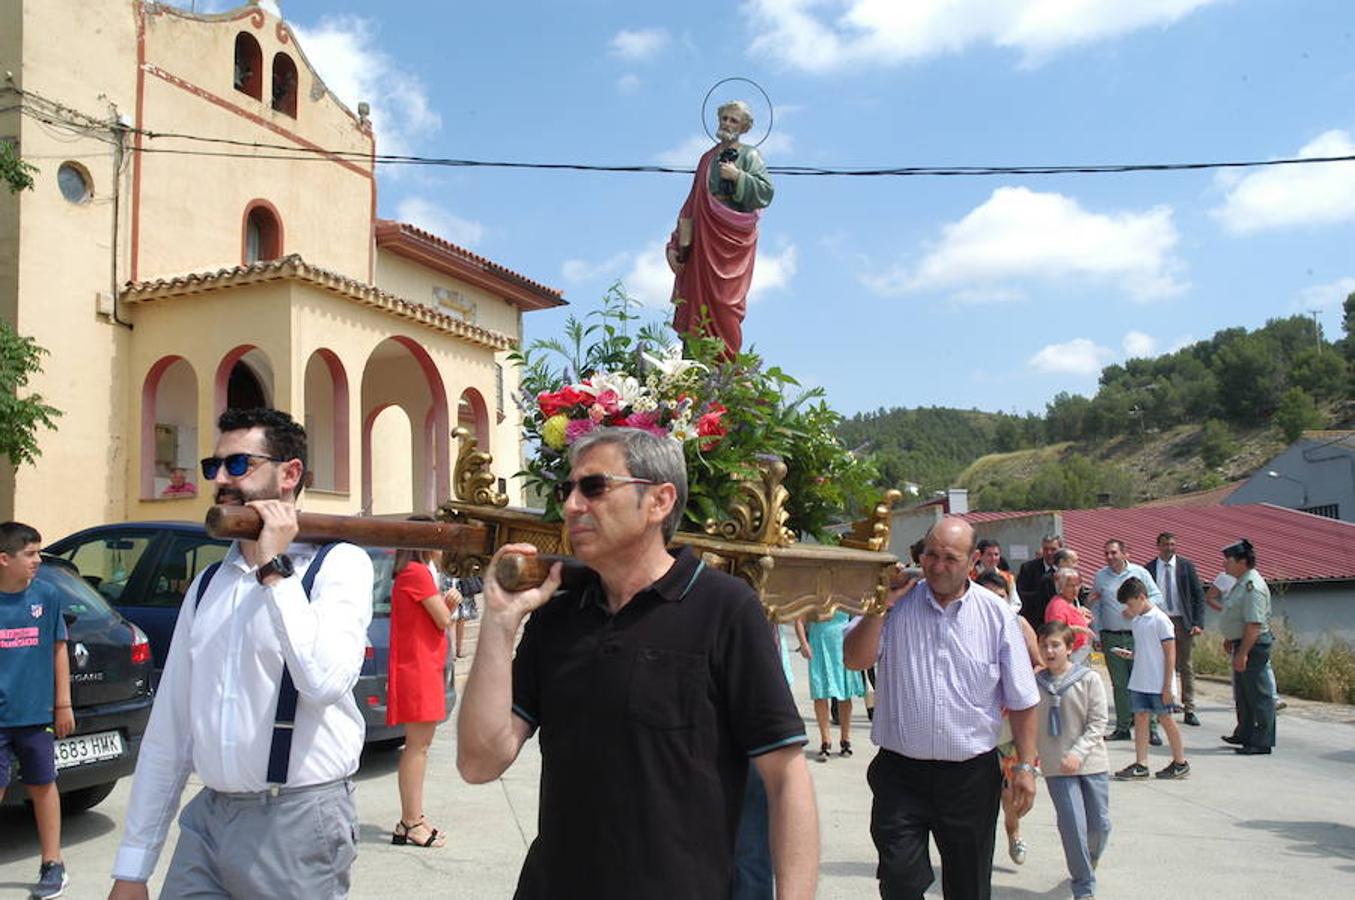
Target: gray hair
[
  {"x": 742, "y": 107},
  {"x": 647, "y": 456},
  {"x": 1052, "y": 539},
  {"x": 1064, "y": 573}
]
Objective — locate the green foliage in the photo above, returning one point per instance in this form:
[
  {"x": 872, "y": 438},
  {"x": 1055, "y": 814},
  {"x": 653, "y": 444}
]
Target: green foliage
[
  {"x": 1216, "y": 443},
  {"x": 20, "y": 417},
  {"x": 14, "y": 172},
  {"x": 761, "y": 410},
  {"x": 1321, "y": 670},
  {"x": 1296, "y": 414},
  {"x": 1321, "y": 373}
]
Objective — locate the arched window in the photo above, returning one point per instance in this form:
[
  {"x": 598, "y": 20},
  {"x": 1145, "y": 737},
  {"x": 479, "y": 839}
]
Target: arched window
[
  {"x": 248, "y": 66},
  {"x": 263, "y": 233},
  {"x": 284, "y": 85}
]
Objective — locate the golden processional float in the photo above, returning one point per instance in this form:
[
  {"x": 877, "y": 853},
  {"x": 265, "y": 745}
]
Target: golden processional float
[{"x": 793, "y": 579}]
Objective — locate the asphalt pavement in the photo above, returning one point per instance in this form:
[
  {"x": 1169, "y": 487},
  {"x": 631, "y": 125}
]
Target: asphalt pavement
[{"x": 1265, "y": 826}]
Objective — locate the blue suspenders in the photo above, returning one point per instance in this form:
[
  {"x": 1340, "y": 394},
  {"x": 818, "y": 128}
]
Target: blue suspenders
[{"x": 284, "y": 721}]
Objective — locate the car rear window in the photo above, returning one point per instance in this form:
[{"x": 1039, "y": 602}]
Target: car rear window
[
  {"x": 77, "y": 597},
  {"x": 383, "y": 561}
]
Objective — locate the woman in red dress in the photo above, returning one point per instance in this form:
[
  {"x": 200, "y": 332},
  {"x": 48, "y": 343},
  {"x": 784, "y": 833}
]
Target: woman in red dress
[{"x": 415, "y": 698}]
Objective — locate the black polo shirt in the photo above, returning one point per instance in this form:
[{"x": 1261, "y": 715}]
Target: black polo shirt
[{"x": 647, "y": 721}]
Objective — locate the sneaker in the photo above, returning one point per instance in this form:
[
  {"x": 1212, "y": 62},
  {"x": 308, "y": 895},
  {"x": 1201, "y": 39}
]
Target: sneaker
[
  {"x": 1134, "y": 772},
  {"x": 1155, "y": 739},
  {"x": 1016, "y": 849},
  {"x": 1175, "y": 771},
  {"x": 825, "y": 750},
  {"x": 52, "y": 881},
  {"x": 1120, "y": 734},
  {"x": 1192, "y": 719},
  {"x": 846, "y": 748}
]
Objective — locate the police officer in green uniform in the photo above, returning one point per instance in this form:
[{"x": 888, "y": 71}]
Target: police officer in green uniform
[{"x": 1245, "y": 624}]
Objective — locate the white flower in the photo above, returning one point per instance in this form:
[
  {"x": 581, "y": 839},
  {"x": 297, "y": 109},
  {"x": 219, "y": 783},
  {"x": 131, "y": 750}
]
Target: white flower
[
  {"x": 627, "y": 389},
  {"x": 682, "y": 430},
  {"x": 645, "y": 403},
  {"x": 669, "y": 361}
]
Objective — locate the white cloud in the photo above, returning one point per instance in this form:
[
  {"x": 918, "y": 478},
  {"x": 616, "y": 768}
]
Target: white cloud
[
  {"x": 640, "y": 44},
  {"x": 825, "y": 35},
  {"x": 1324, "y": 297},
  {"x": 1018, "y": 235},
  {"x": 772, "y": 271},
  {"x": 1295, "y": 195},
  {"x": 628, "y": 84},
  {"x": 1138, "y": 345},
  {"x": 1076, "y": 357},
  {"x": 580, "y": 270},
  {"x": 430, "y": 217},
  {"x": 343, "y": 49}
]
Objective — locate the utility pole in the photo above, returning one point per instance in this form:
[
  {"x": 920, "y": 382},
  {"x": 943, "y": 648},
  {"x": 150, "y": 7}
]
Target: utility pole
[{"x": 1317, "y": 330}]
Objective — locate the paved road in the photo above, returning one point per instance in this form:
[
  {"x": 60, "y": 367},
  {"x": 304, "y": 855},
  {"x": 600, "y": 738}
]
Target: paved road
[{"x": 1238, "y": 828}]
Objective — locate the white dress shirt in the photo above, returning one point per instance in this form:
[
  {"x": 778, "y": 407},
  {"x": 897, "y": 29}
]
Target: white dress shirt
[
  {"x": 1166, "y": 583},
  {"x": 214, "y": 710}
]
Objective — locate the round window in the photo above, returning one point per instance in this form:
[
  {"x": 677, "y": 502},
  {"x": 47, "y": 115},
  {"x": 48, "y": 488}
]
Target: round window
[{"x": 74, "y": 182}]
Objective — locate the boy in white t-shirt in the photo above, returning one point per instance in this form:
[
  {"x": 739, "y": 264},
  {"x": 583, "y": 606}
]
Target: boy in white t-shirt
[{"x": 1150, "y": 681}]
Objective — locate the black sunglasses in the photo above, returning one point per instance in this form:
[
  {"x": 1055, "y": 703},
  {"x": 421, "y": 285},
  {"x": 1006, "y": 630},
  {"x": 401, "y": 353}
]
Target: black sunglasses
[
  {"x": 236, "y": 464},
  {"x": 594, "y": 486}
]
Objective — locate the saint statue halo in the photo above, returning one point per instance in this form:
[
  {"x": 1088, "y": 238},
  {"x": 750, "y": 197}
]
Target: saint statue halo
[{"x": 705, "y": 105}]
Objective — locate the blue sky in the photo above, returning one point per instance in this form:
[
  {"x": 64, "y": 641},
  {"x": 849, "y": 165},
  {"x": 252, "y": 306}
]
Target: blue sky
[{"x": 994, "y": 292}]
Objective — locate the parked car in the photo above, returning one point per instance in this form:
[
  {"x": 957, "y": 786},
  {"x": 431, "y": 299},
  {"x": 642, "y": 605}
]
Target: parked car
[
  {"x": 143, "y": 570},
  {"x": 110, "y": 661}
]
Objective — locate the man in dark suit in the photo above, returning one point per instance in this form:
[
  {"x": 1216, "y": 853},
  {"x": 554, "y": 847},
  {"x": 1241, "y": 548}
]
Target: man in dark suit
[
  {"x": 1183, "y": 601},
  {"x": 1031, "y": 575}
]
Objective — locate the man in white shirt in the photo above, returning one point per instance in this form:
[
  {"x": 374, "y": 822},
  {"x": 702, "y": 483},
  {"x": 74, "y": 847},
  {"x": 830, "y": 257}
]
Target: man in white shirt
[{"x": 276, "y": 816}]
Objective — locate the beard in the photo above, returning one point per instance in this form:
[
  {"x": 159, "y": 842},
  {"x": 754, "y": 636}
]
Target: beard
[
  {"x": 726, "y": 134},
  {"x": 233, "y": 496}
]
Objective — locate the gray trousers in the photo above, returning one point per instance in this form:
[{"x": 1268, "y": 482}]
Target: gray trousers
[{"x": 299, "y": 843}]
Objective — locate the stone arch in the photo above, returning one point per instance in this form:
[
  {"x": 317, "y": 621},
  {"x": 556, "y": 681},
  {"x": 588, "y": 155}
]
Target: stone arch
[
  {"x": 473, "y": 415},
  {"x": 243, "y": 378}
]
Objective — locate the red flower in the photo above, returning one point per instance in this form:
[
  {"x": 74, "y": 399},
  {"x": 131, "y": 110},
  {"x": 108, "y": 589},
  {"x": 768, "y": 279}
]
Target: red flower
[
  {"x": 561, "y": 400},
  {"x": 710, "y": 426}
]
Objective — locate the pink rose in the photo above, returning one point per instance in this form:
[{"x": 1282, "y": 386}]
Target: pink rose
[{"x": 577, "y": 428}]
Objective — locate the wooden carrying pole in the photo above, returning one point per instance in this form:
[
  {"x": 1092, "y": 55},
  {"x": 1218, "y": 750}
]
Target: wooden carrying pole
[{"x": 465, "y": 539}]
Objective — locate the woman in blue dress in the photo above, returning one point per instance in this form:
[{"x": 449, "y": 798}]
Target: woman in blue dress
[{"x": 829, "y": 679}]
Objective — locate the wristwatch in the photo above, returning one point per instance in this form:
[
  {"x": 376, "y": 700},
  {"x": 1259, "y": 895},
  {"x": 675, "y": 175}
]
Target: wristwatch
[
  {"x": 278, "y": 565},
  {"x": 1026, "y": 767}
]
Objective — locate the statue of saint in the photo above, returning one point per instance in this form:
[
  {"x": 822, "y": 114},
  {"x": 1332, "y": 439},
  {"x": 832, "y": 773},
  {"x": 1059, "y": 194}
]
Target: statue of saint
[{"x": 711, "y": 251}]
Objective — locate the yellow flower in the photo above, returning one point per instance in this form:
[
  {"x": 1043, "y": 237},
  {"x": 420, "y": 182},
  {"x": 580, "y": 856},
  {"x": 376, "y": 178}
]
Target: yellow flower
[{"x": 553, "y": 431}]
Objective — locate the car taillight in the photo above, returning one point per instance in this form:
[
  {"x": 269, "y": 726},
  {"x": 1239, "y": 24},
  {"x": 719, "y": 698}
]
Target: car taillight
[
  {"x": 369, "y": 653},
  {"x": 141, "y": 647}
]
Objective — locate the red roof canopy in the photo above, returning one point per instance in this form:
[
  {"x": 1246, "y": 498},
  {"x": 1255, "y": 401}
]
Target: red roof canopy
[{"x": 1290, "y": 545}]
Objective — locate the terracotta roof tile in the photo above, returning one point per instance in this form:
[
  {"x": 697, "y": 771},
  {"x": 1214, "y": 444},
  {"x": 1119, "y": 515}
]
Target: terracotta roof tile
[{"x": 294, "y": 268}]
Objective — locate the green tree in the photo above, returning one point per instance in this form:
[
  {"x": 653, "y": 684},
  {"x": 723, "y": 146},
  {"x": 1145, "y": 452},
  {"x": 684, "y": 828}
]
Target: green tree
[
  {"x": 1250, "y": 378},
  {"x": 1216, "y": 444},
  {"x": 1348, "y": 326},
  {"x": 14, "y": 172},
  {"x": 20, "y": 417},
  {"x": 1296, "y": 413},
  {"x": 1321, "y": 373}
]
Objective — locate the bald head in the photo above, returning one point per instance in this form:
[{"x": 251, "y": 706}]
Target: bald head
[{"x": 947, "y": 554}]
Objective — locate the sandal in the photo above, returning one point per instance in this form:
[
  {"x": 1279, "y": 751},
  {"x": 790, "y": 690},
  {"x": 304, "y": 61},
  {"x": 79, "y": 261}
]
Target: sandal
[
  {"x": 825, "y": 750},
  {"x": 846, "y": 748},
  {"x": 400, "y": 836}
]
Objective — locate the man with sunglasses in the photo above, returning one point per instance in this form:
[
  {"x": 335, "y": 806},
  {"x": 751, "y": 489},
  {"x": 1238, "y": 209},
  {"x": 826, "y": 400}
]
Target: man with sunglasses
[
  {"x": 276, "y": 816},
  {"x": 653, "y": 681}
]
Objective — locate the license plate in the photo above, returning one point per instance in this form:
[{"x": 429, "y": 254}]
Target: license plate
[{"x": 88, "y": 748}]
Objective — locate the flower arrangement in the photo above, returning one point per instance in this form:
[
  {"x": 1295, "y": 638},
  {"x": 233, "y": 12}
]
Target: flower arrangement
[{"x": 725, "y": 412}]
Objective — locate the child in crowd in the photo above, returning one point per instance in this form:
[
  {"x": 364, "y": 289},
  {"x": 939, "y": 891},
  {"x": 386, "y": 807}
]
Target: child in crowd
[
  {"x": 1150, "y": 681},
  {"x": 35, "y": 691},
  {"x": 1072, "y": 718}
]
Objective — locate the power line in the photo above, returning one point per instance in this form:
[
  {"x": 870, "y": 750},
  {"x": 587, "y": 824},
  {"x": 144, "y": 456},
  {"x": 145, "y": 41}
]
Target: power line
[{"x": 295, "y": 153}]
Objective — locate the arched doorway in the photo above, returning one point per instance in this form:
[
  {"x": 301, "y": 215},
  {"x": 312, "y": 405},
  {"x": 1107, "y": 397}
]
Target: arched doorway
[
  {"x": 326, "y": 420},
  {"x": 244, "y": 379},
  {"x": 472, "y": 415},
  {"x": 399, "y": 372}
]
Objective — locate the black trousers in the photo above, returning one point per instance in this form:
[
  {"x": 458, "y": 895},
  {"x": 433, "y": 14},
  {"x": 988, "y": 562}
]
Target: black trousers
[{"x": 957, "y": 802}]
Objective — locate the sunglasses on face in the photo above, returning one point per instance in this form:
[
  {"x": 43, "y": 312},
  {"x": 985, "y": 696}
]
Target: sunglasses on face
[
  {"x": 236, "y": 464},
  {"x": 594, "y": 486}
]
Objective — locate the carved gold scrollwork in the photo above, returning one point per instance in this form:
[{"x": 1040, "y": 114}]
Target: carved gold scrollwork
[
  {"x": 468, "y": 565},
  {"x": 872, "y": 532},
  {"x": 472, "y": 479},
  {"x": 758, "y": 513}
]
